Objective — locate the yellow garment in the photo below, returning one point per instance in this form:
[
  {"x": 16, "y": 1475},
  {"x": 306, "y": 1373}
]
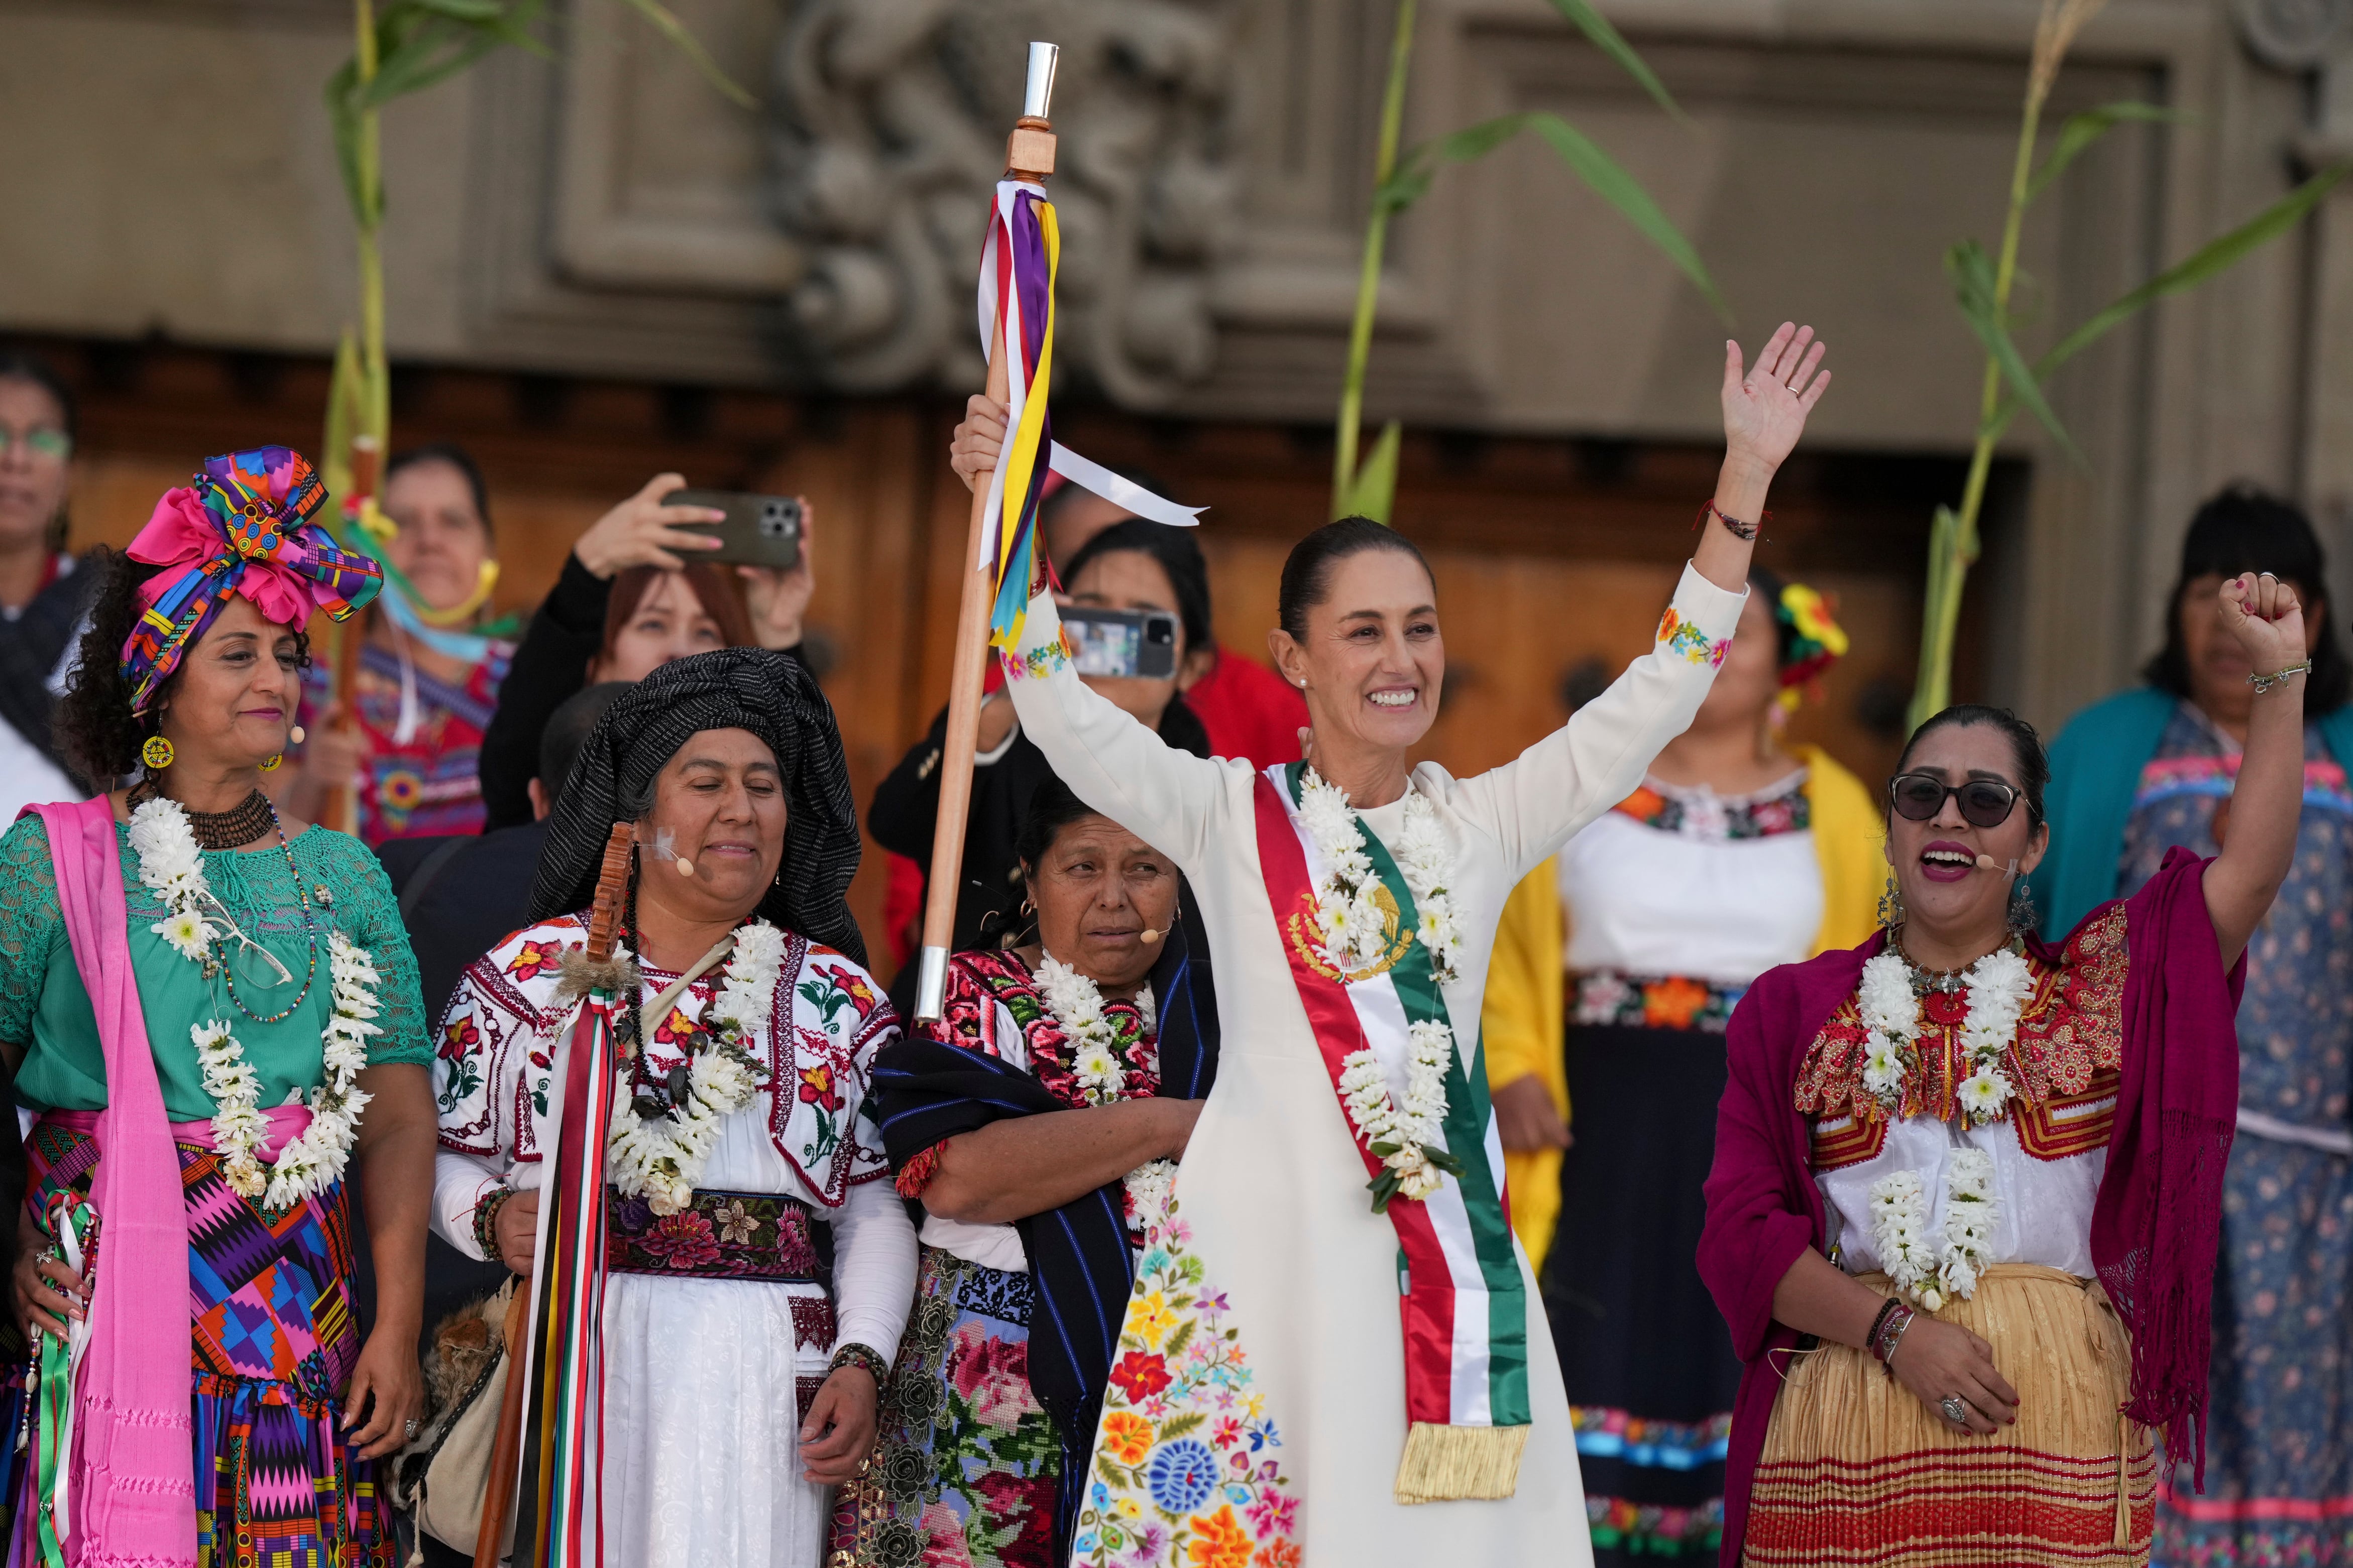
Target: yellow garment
[{"x": 1525, "y": 1006}]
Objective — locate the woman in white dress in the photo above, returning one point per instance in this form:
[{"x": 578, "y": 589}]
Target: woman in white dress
[
  {"x": 741, "y": 1353},
  {"x": 1277, "y": 1395}
]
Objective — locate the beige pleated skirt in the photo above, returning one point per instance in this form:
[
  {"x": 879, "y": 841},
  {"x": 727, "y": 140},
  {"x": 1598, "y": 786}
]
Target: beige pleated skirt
[{"x": 1857, "y": 1471}]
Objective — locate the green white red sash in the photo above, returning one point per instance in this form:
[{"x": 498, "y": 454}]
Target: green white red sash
[{"x": 1464, "y": 1302}]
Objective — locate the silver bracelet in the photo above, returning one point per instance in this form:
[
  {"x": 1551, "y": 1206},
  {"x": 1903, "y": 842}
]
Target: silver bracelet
[
  {"x": 2263, "y": 683},
  {"x": 1901, "y": 1329}
]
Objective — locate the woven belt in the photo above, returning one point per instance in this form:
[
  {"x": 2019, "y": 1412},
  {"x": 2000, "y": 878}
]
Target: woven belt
[
  {"x": 719, "y": 1235},
  {"x": 1611, "y": 997}
]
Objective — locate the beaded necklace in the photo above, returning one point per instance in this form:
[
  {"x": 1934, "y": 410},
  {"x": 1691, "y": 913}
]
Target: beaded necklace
[{"x": 232, "y": 829}]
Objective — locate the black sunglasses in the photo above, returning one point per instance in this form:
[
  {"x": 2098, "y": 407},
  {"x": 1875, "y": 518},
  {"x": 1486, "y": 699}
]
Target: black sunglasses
[{"x": 1918, "y": 797}]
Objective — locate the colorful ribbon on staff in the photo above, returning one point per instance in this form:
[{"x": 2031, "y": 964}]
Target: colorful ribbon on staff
[
  {"x": 241, "y": 526},
  {"x": 1017, "y": 267}
]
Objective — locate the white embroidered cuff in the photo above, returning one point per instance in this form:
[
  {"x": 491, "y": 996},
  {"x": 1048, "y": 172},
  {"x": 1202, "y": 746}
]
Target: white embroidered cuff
[{"x": 1699, "y": 623}]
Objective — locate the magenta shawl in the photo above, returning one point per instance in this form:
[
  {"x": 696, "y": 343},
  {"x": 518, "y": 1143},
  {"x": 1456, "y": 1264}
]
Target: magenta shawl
[
  {"x": 2158, "y": 1214},
  {"x": 134, "y": 1487}
]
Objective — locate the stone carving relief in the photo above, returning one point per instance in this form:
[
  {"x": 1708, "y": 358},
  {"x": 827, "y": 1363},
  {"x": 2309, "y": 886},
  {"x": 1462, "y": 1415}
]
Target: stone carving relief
[
  {"x": 2292, "y": 35},
  {"x": 887, "y": 132}
]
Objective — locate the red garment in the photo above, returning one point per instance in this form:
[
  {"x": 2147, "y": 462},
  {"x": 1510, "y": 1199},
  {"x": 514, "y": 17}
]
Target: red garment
[
  {"x": 2155, "y": 1224},
  {"x": 1248, "y": 711}
]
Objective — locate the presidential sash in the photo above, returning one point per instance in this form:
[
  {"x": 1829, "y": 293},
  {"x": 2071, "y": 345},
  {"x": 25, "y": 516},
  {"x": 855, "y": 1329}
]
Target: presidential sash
[{"x": 1463, "y": 1301}]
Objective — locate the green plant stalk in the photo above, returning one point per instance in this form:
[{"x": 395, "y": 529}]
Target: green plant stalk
[
  {"x": 1368, "y": 278},
  {"x": 375, "y": 413},
  {"x": 1953, "y": 551}
]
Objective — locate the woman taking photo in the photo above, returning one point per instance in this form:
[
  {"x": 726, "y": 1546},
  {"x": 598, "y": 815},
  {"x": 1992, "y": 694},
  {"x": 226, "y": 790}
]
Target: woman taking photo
[
  {"x": 1131, "y": 565},
  {"x": 1781, "y": 845},
  {"x": 633, "y": 595},
  {"x": 1036, "y": 1122},
  {"x": 737, "y": 1385},
  {"x": 426, "y": 689},
  {"x": 1334, "y": 1322},
  {"x": 213, "y": 1011},
  {"x": 1966, "y": 1185}
]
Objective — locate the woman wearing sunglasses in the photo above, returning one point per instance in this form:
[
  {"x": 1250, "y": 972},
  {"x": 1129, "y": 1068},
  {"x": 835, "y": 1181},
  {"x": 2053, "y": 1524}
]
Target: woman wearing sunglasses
[{"x": 1967, "y": 1184}]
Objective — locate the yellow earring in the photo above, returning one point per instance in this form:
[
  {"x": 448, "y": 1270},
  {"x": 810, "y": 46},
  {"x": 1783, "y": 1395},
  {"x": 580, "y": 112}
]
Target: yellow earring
[
  {"x": 271, "y": 765},
  {"x": 156, "y": 754}
]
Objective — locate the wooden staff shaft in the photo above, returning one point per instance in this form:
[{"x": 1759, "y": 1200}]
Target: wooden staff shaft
[
  {"x": 1029, "y": 155},
  {"x": 964, "y": 672}
]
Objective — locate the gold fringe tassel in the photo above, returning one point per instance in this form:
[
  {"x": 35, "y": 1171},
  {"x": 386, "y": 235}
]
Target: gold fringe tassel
[{"x": 1443, "y": 1464}]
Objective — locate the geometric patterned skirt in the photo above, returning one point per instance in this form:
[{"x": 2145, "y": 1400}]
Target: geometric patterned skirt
[
  {"x": 968, "y": 1470},
  {"x": 1856, "y": 1470},
  {"x": 272, "y": 1345}
]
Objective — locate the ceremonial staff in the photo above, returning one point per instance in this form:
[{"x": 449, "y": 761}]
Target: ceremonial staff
[
  {"x": 1028, "y": 160},
  {"x": 551, "y": 1414}
]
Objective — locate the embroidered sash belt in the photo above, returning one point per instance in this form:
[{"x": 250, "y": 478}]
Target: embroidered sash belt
[
  {"x": 760, "y": 1237},
  {"x": 1608, "y": 996}
]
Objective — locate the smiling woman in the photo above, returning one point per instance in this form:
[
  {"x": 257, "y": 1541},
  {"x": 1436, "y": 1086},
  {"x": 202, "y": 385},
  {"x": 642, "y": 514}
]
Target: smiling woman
[
  {"x": 1351, "y": 1277},
  {"x": 254, "y": 1027},
  {"x": 744, "y": 1140},
  {"x": 1938, "y": 1149}
]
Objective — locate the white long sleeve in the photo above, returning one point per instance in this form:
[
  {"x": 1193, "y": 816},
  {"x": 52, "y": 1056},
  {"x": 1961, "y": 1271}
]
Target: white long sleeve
[{"x": 874, "y": 1261}]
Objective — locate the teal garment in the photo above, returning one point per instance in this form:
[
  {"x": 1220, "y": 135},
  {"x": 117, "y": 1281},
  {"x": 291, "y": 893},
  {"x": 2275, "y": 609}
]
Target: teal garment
[
  {"x": 2096, "y": 768},
  {"x": 45, "y": 1010}
]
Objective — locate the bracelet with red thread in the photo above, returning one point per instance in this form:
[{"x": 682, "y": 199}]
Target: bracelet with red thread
[{"x": 1747, "y": 531}]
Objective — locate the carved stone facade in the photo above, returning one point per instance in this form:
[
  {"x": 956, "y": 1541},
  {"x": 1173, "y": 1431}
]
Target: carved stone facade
[{"x": 887, "y": 126}]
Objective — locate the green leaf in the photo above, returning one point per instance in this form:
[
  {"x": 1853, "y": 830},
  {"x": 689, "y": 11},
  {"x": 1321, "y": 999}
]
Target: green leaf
[
  {"x": 1973, "y": 287},
  {"x": 1419, "y": 165},
  {"x": 1178, "y": 1338},
  {"x": 1622, "y": 191},
  {"x": 1178, "y": 1425},
  {"x": 670, "y": 27},
  {"x": 2076, "y": 136},
  {"x": 2216, "y": 256},
  {"x": 1445, "y": 1160},
  {"x": 432, "y": 49},
  {"x": 1607, "y": 38},
  {"x": 1374, "y": 494},
  {"x": 342, "y": 415},
  {"x": 343, "y": 115}
]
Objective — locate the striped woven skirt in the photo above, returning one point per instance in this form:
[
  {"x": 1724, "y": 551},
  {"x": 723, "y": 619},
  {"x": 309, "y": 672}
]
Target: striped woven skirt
[
  {"x": 1856, "y": 1471},
  {"x": 272, "y": 1343}
]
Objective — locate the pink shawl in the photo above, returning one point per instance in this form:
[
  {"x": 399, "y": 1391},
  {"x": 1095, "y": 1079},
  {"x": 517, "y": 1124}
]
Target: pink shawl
[{"x": 133, "y": 1486}]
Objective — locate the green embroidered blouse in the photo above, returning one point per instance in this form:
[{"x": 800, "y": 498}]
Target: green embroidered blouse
[{"x": 44, "y": 1011}]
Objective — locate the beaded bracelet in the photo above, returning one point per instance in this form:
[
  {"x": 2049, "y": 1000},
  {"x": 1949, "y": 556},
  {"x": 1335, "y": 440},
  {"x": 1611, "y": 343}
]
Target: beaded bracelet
[
  {"x": 1741, "y": 530},
  {"x": 486, "y": 1221},
  {"x": 1879, "y": 1323},
  {"x": 856, "y": 1354}
]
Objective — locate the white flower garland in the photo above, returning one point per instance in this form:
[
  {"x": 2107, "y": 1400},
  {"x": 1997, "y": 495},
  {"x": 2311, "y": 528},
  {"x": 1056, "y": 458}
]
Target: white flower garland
[
  {"x": 171, "y": 863},
  {"x": 1077, "y": 1005},
  {"x": 661, "y": 1160},
  {"x": 1999, "y": 984},
  {"x": 1899, "y": 1230},
  {"x": 1353, "y": 926}
]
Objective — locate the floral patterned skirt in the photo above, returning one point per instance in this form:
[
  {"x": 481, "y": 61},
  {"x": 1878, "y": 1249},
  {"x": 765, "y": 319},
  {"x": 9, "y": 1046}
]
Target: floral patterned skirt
[
  {"x": 273, "y": 1342},
  {"x": 968, "y": 1470}
]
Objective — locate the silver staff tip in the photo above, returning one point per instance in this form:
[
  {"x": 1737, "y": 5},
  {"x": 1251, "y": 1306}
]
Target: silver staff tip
[{"x": 1037, "y": 103}]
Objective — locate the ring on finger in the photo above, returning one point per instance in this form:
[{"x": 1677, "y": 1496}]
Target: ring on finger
[{"x": 1956, "y": 1409}]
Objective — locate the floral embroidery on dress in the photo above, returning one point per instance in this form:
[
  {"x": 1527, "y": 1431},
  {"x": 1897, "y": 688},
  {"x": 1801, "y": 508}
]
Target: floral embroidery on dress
[
  {"x": 1037, "y": 663},
  {"x": 1703, "y": 815},
  {"x": 2070, "y": 1032},
  {"x": 1681, "y": 636},
  {"x": 1607, "y": 997},
  {"x": 724, "y": 1236},
  {"x": 1185, "y": 1469}
]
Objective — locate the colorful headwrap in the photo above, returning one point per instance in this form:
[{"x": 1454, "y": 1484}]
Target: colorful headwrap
[
  {"x": 1811, "y": 640},
  {"x": 242, "y": 526}
]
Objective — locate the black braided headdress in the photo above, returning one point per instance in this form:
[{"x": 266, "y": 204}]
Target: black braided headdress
[{"x": 771, "y": 695}]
